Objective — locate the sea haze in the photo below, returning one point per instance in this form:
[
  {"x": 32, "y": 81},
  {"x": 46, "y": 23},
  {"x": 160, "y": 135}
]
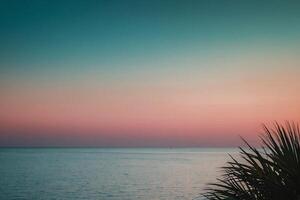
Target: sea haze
[{"x": 108, "y": 173}]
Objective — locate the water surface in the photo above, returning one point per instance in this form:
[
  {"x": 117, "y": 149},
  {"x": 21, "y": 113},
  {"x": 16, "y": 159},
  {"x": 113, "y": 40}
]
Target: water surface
[{"x": 108, "y": 173}]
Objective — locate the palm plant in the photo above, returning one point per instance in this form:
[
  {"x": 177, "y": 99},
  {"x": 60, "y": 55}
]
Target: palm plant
[{"x": 271, "y": 172}]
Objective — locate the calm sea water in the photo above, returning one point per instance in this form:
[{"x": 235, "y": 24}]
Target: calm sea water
[{"x": 108, "y": 174}]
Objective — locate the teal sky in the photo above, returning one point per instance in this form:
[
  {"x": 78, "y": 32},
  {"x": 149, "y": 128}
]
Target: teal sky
[{"x": 72, "y": 34}]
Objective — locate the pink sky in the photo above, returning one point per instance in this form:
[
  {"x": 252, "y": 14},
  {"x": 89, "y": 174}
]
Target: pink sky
[{"x": 183, "y": 108}]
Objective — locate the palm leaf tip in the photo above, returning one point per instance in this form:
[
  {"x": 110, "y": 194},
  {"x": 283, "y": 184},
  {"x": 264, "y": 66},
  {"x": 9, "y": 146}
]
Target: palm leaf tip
[{"x": 272, "y": 173}]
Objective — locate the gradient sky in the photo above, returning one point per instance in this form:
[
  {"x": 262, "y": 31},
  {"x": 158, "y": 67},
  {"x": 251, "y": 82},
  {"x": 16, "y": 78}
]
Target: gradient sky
[{"x": 146, "y": 73}]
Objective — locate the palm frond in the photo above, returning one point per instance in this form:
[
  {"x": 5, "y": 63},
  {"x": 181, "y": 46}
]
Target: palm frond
[{"x": 268, "y": 173}]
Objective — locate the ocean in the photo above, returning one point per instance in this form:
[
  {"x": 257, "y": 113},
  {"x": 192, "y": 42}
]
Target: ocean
[{"x": 109, "y": 173}]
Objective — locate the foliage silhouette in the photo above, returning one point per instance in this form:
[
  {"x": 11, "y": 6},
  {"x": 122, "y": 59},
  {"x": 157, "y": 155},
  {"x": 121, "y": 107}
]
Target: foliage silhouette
[{"x": 271, "y": 172}]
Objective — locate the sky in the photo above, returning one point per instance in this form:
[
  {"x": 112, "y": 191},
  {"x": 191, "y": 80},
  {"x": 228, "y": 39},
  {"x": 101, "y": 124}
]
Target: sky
[{"x": 146, "y": 73}]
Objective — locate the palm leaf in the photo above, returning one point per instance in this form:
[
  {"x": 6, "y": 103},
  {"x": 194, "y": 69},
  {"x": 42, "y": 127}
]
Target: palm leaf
[{"x": 271, "y": 172}]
